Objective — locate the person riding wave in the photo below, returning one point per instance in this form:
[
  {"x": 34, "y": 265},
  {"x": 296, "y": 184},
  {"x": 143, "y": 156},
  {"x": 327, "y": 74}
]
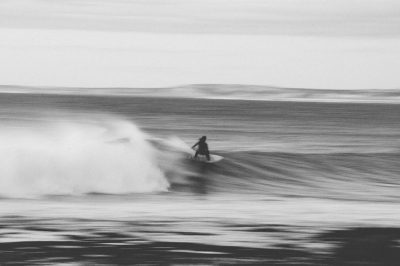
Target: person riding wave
[{"x": 203, "y": 148}]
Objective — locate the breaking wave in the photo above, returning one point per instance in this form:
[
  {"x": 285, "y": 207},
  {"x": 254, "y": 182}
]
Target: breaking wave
[
  {"x": 110, "y": 156},
  {"x": 103, "y": 154}
]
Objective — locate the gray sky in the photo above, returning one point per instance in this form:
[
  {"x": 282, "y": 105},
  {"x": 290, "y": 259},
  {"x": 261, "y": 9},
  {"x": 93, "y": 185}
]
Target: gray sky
[{"x": 344, "y": 44}]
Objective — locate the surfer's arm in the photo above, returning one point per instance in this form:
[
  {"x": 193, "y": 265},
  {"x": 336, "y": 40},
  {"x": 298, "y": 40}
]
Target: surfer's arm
[{"x": 195, "y": 145}]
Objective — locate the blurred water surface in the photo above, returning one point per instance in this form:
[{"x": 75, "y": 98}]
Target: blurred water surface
[{"x": 96, "y": 180}]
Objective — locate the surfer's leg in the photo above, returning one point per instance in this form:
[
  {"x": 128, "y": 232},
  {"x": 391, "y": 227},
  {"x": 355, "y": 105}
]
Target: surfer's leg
[
  {"x": 208, "y": 156},
  {"x": 195, "y": 155}
]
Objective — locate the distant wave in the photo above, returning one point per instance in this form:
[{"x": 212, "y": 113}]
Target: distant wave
[{"x": 226, "y": 91}]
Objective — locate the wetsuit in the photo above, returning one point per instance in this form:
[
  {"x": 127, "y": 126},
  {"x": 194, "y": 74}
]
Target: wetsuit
[{"x": 202, "y": 150}]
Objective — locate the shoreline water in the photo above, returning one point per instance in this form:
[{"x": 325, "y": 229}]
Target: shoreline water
[{"x": 127, "y": 233}]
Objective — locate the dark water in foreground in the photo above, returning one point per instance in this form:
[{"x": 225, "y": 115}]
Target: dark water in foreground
[{"x": 106, "y": 181}]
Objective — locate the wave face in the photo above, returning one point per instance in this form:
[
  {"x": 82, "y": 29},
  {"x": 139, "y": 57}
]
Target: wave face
[
  {"x": 93, "y": 155},
  {"x": 351, "y": 176}
]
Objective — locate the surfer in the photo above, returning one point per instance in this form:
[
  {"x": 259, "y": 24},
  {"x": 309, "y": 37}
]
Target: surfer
[{"x": 203, "y": 148}]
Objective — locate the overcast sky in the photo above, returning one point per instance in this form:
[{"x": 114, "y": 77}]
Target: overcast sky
[{"x": 335, "y": 44}]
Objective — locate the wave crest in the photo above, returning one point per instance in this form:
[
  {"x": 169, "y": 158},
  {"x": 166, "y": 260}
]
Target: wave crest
[{"x": 93, "y": 155}]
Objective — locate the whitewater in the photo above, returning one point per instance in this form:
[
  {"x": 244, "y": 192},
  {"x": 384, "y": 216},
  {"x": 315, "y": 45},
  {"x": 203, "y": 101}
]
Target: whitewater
[
  {"x": 106, "y": 180},
  {"x": 71, "y": 158}
]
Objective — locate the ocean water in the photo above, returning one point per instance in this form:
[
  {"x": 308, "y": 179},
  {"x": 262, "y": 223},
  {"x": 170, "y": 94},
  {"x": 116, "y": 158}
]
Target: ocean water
[{"x": 106, "y": 180}]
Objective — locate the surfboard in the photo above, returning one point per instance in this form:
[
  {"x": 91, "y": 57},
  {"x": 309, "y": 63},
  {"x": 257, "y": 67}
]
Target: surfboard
[{"x": 202, "y": 158}]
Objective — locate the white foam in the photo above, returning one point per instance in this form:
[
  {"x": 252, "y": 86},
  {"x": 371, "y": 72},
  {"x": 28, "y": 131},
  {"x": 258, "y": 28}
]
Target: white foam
[{"x": 73, "y": 158}]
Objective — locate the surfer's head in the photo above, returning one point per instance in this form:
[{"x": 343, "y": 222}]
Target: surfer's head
[{"x": 203, "y": 138}]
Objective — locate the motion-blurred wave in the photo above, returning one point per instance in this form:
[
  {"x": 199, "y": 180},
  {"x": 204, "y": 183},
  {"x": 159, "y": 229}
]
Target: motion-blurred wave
[
  {"x": 75, "y": 158},
  {"x": 228, "y": 91},
  {"x": 351, "y": 176}
]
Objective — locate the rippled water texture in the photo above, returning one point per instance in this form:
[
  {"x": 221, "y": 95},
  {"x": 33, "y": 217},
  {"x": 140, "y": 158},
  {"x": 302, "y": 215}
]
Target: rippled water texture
[{"x": 107, "y": 181}]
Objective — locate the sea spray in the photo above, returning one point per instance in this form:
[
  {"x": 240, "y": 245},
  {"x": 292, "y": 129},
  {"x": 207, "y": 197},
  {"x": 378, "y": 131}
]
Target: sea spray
[{"x": 93, "y": 155}]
